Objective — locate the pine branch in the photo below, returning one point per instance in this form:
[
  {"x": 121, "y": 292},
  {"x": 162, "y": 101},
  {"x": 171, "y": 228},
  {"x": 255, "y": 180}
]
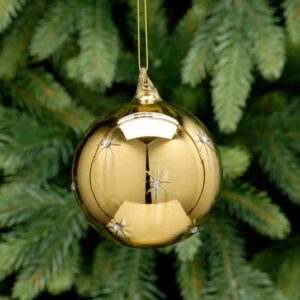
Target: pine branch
[
  {"x": 226, "y": 258},
  {"x": 235, "y": 35},
  {"x": 54, "y": 28},
  {"x": 281, "y": 261},
  {"x": 269, "y": 259},
  {"x": 44, "y": 88},
  {"x": 50, "y": 239},
  {"x": 31, "y": 149},
  {"x": 187, "y": 249},
  {"x": 232, "y": 72},
  {"x": 10, "y": 257},
  {"x": 289, "y": 273},
  {"x": 200, "y": 56},
  {"x": 190, "y": 277},
  {"x": 184, "y": 33},
  {"x": 9, "y": 10},
  {"x": 235, "y": 161},
  {"x": 38, "y": 91},
  {"x": 230, "y": 276},
  {"x": 256, "y": 208},
  {"x": 277, "y": 149},
  {"x": 268, "y": 39},
  {"x": 127, "y": 68},
  {"x": 20, "y": 202},
  {"x": 96, "y": 62},
  {"x": 133, "y": 277},
  {"x": 292, "y": 16},
  {"x": 63, "y": 279},
  {"x": 41, "y": 246},
  {"x": 257, "y": 284},
  {"x": 13, "y": 53},
  {"x": 93, "y": 276},
  {"x": 283, "y": 166}
]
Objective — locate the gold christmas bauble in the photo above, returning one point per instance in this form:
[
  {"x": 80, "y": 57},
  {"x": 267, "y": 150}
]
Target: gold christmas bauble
[{"x": 148, "y": 174}]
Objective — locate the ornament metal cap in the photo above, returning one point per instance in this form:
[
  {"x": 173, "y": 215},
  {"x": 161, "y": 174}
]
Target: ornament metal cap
[{"x": 146, "y": 92}]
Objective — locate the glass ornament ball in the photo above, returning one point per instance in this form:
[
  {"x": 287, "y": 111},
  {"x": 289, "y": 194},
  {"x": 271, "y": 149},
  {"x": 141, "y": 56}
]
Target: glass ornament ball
[{"x": 148, "y": 174}]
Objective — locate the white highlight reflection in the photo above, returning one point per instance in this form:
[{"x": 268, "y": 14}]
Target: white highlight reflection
[{"x": 148, "y": 124}]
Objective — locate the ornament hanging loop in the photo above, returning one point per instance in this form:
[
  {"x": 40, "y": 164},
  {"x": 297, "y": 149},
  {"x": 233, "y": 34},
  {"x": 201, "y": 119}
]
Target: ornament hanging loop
[{"x": 139, "y": 35}]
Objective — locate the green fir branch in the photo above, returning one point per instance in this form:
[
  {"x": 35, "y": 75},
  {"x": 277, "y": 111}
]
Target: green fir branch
[
  {"x": 289, "y": 272},
  {"x": 281, "y": 261},
  {"x": 187, "y": 249},
  {"x": 268, "y": 39},
  {"x": 230, "y": 277},
  {"x": 9, "y": 9},
  {"x": 95, "y": 65},
  {"x": 41, "y": 246},
  {"x": 256, "y": 208},
  {"x": 191, "y": 279},
  {"x": 54, "y": 28},
  {"x": 235, "y": 161},
  {"x": 200, "y": 56},
  {"x": 133, "y": 277},
  {"x": 276, "y": 140},
  {"x": 91, "y": 276},
  {"x": 44, "y": 88},
  {"x": 292, "y": 17},
  {"x": 11, "y": 257},
  {"x": 49, "y": 243},
  {"x": 31, "y": 149},
  {"x": 13, "y": 51},
  {"x": 63, "y": 279},
  {"x": 283, "y": 166},
  {"x": 20, "y": 202},
  {"x": 184, "y": 33},
  {"x": 232, "y": 77},
  {"x": 40, "y": 93}
]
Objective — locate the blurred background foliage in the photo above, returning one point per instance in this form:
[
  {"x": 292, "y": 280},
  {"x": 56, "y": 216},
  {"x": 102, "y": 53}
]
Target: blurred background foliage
[{"x": 233, "y": 63}]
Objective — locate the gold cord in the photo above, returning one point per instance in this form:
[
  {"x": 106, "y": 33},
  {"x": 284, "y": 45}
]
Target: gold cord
[{"x": 139, "y": 34}]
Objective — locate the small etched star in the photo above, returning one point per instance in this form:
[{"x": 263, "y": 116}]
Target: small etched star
[
  {"x": 107, "y": 143},
  {"x": 118, "y": 228},
  {"x": 157, "y": 181},
  {"x": 204, "y": 140}
]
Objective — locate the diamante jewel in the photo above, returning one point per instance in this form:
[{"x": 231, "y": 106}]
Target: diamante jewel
[
  {"x": 203, "y": 138},
  {"x": 194, "y": 229},
  {"x": 156, "y": 183},
  {"x": 106, "y": 143},
  {"x": 118, "y": 227},
  {"x": 73, "y": 186}
]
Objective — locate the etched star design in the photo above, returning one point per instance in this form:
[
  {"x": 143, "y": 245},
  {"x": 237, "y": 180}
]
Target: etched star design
[
  {"x": 157, "y": 181},
  {"x": 119, "y": 228},
  {"x": 107, "y": 143},
  {"x": 204, "y": 140}
]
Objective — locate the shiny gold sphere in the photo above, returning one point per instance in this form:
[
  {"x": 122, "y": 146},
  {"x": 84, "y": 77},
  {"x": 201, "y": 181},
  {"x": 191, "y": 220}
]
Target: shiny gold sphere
[{"x": 148, "y": 174}]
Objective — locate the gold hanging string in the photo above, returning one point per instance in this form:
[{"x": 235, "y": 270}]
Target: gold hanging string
[{"x": 139, "y": 34}]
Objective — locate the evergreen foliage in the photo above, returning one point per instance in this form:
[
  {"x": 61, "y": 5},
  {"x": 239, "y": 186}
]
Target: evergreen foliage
[
  {"x": 9, "y": 10},
  {"x": 64, "y": 62}
]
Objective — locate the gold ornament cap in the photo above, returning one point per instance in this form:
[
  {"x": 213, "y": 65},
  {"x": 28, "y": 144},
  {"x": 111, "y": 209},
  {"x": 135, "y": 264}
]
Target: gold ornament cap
[{"x": 146, "y": 92}]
